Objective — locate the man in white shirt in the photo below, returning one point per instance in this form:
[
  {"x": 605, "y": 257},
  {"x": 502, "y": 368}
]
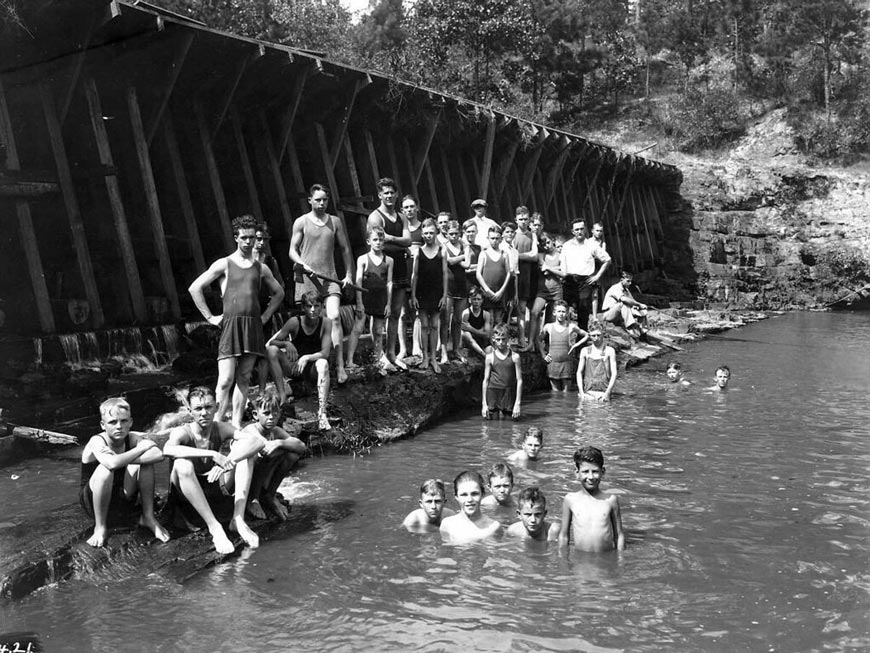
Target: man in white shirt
[
  {"x": 483, "y": 223},
  {"x": 621, "y": 308},
  {"x": 577, "y": 263}
]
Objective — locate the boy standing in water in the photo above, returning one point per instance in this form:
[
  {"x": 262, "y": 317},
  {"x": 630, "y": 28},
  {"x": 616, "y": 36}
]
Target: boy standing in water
[
  {"x": 590, "y": 517},
  {"x": 723, "y": 376},
  {"x": 501, "y": 483},
  {"x": 533, "y": 442},
  {"x": 557, "y": 342},
  {"x": 279, "y": 455},
  {"x": 469, "y": 524},
  {"x": 675, "y": 374},
  {"x": 116, "y": 465},
  {"x": 431, "y": 511},
  {"x": 533, "y": 524},
  {"x": 502, "y": 378},
  {"x": 596, "y": 372}
]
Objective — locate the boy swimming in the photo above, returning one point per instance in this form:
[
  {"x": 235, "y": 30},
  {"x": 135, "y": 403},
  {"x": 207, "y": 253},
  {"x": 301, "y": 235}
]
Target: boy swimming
[
  {"x": 501, "y": 483},
  {"x": 431, "y": 511},
  {"x": 590, "y": 517},
  {"x": 723, "y": 376},
  {"x": 533, "y": 523},
  {"x": 469, "y": 524},
  {"x": 533, "y": 442},
  {"x": 675, "y": 374}
]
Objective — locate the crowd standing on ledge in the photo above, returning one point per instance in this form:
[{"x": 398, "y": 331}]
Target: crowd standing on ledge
[{"x": 458, "y": 288}]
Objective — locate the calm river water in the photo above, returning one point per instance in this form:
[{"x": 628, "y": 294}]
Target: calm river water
[{"x": 746, "y": 516}]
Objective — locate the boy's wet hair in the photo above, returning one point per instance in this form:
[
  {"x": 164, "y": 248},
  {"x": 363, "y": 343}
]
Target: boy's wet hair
[
  {"x": 724, "y": 368},
  {"x": 448, "y": 214},
  {"x": 386, "y": 182},
  {"x": 453, "y": 224},
  {"x": 310, "y": 298},
  {"x": 595, "y": 325},
  {"x": 268, "y": 399},
  {"x": 468, "y": 476},
  {"x": 495, "y": 229},
  {"x": 429, "y": 222},
  {"x": 469, "y": 223},
  {"x": 533, "y": 496},
  {"x": 509, "y": 225},
  {"x": 112, "y": 405},
  {"x": 560, "y": 302},
  {"x": 500, "y": 329},
  {"x": 376, "y": 230},
  {"x": 674, "y": 365},
  {"x": 200, "y": 392},
  {"x": 589, "y": 455},
  {"x": 522, "y": 210},
  {"x": 534, "y": 432},
  {"x": 501, "y": 469},
  {"x": 475, "y": 291},
  {"x": 316, "y": 187},
  {"x": 246, "y": 221},
  {"x": 410, "y": 197},
  {"x": 433, "y": 486}
]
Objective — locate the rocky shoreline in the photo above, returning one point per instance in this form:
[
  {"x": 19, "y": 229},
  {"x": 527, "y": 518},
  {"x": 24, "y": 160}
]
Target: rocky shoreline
[{"x": 368, "y": 411}]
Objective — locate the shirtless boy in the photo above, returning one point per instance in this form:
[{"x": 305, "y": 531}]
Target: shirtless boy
[
  {"x": 723, "y": 376},
  {"x": 201, "y": 471},
  {"x": 591, "y": 520},
  {"x": 501, "y": 483},
  {"x": 431, "y": 511},
  {"x": 278, "y": 456},
  {"x": 533, "y": 524},
  {"x": 116, "y": 465},
  {"x": 533, "y": 442},
  {"x": 242, "y": 341},
  {"x": 469, "y": 524}
]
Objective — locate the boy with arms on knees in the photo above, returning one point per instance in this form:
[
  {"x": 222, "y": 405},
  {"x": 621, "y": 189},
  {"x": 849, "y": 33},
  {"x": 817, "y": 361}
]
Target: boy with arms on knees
[
  {"x": 476, "y": 324},
  {"x": 374, "y": 272},
  {"x": 502, "y": 378},
  {"x": 596, "y": 371},
  {"x": 533, "y": 524},
  {"x": 116, "y": 465},
  {"x": 431, "y": 511},
  {"x": 501, "y": 483},
  {"x": 533, "y": 442},
  {"x": 469, "y": 524},
  {"x": 201, "y": 472},
  {"x": 278, "y": 456},
  {"x": 301, "y": 348},
  {"x": 590, "y": 517}
]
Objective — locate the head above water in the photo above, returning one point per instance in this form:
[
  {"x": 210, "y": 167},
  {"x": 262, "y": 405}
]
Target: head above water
[
  {"x": 501, "y": 470},
  {"x": 433, "y": 486},
  {"x": 468, "y": 477},
  {"x": 534, "y": 433},
  {"x": 531, "y": 496}
]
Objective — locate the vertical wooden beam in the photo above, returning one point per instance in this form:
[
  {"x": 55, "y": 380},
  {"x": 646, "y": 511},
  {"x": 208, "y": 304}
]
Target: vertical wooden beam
[
  {"x": 214, "y": 177},
  {"x": 266, "y": 145},
  {"x": 594, "y": 179},
  {"x": 448, "y": 184},
  {"x": 409, "y": 166},
  {"x": 475, "y": 169},
  {"x": 119, "y": 216},
  {"x": 394, "y": 163},
  {"x": 29, "y": 243},
  {"x": 80, "y": 238},
  {"x": 181, "y": 187},
  {"x": 245, "y": 163},
  {"x": 486, "y": 168},
  {"x": 152, "y": 203},
  {"x": 77, "y": 65},
  {"x": 177, "y": 63},
  {"x": 499, "y": 181},
  {"x": 330, "y": 173},
  {"x": 433, "y": 189},
  {"x": 463, "y": 180},
  {"x": 373, "y": 157},
  {"x": 290, "y": 114},
  {"x": 420, "y": 158},
  {"x": 235, "y": 80},
  {"x": 338, "y": 140},
  {"x": 296, "y": 174},
  {"x": 352, "y": 171},
  {"x": 530, "y": 168}
]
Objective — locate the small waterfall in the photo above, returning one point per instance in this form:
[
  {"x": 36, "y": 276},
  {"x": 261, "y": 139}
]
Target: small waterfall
[{"x": 136, "y": 349}]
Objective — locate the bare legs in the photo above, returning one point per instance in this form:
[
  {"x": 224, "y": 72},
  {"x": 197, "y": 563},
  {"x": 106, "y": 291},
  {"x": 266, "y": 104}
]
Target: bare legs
[
  {"x": 137, "y": 479},
  {"x": 396, "y": 306},
  {"x": 333, "y": 312},
  {"x": 233, "y": 370}
]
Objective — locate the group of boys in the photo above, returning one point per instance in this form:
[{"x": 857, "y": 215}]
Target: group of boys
[{"x": 591, "y": 519}]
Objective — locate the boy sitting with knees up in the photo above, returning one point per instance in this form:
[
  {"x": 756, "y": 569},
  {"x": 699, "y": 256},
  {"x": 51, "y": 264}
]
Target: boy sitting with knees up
[
  {"x": 278, "y": 456},
  {"x": 533, "y": 523},
  {"x": 431, "y": 511},
  {"x": 202, "y": 474},
  {"x": 117, "y": 465},
  {"x": 476, "y": 324}
]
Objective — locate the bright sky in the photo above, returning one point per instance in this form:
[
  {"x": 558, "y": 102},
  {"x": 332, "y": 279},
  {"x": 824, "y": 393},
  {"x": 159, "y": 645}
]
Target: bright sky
[{"x": 356, "y": 6}]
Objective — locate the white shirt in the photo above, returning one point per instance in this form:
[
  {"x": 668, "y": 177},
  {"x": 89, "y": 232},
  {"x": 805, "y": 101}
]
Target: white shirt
[
  {"x": 614, "y": 295},
  {"x": 483, "y": 225},
  {"x": 579, "y": 258}
]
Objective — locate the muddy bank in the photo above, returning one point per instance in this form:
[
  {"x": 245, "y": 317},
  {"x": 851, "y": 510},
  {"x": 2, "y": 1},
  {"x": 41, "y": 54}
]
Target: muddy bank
[{"x": 370, "y": 410}]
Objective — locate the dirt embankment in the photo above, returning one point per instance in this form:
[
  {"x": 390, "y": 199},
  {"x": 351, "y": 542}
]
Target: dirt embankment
[{"x": 765, "y": 229}]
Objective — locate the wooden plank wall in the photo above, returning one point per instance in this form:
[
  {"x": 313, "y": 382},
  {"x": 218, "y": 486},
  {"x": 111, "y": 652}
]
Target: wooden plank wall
[{"x": 151, "y": 171}]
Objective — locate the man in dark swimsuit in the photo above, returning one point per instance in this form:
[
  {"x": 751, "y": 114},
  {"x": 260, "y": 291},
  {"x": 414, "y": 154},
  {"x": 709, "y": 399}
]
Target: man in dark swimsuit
[
  {"x": 301, "y": 347},
  {"x": 241, "y": 323}
]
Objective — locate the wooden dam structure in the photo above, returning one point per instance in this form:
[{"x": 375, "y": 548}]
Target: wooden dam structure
[{"x": 131, "y": 136}]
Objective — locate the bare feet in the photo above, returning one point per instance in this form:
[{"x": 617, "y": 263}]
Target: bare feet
[
  {"x": 323, "y": 423},
  {"x": 98, "y": 538},
  {"x": 445, "y": 359},
  {"x": 255, "y": 510},
  {"x": 275, "y": 506},
  {"x": 462, "y": 359},
  {"x": 385, "y": 364},
  {"x": 435, "y": 366},
  {"x": 400, "y": 363},
  {"x": 341, "y": 376},
  {"x": 221, "y": 542},
  {"x": 155, "y": 527},
  {"x": 250, "y": 537}
]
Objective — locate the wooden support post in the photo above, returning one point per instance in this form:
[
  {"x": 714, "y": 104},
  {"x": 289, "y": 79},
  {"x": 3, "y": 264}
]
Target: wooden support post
[
  {"x": 235, "y": 80},
  {"x": 475, "y": 168},
  {"x": 245, "y": 163},
  {"x": 125, "y": 243},
  {"x": 29, "y": 242},
  {"x": 327, "y": 166},
  {"x": 594, "y": 179},
  {"x": 80, "y": 239},
  {"x": 486, "y": 168},
  {"x": 373, "y": 157},
  {"x": 409, "y": 166},
  {"x": 296, "y": 174},
  {"x": 267, "y": 146},
  {"x": 152, "y": 203},
  {"x": 78, "y": 63},
  {"x": 172, "y": 79},
  {"x": 518, "y": 190},
  {"x": 637, "y": 208},
  {"x": 555, "y": 173},
  {"x": 290, "y": 114},
  {"x": 433, "y": 190},
  {"x": 653, "y": 209},
  {"x": 214, "y": 177},
  {"x": 177, "y": 164},
  {"x": 448, "y": 184},
  {"x": 499, "y": 179},
  {"x": 422, "y": 155},
  {"x": 338, "y": 139},
  {"x": 529, "y": 170},
  {"x": 538, "y": 194},
  {"x": 468, "y": 198}
]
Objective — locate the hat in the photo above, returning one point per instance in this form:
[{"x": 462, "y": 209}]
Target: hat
[{"x": 478, "y": 202}]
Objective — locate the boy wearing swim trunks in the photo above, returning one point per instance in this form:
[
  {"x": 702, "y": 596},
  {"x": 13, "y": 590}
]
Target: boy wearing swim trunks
[
  {"x": 533, "y": 523},
  {"x": 476, "y": 324},
  {"x": 374, "y": 272},
  {"x": 502, "y": 378},
  {"x": 117, "y": 465}
]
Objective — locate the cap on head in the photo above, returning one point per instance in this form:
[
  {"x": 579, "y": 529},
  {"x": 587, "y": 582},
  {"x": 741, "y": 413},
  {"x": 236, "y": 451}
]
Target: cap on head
[{"x": 478, "y": 202}]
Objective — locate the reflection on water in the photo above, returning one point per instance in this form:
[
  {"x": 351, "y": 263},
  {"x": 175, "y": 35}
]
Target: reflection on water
[{"x": 746, "y": 516}]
